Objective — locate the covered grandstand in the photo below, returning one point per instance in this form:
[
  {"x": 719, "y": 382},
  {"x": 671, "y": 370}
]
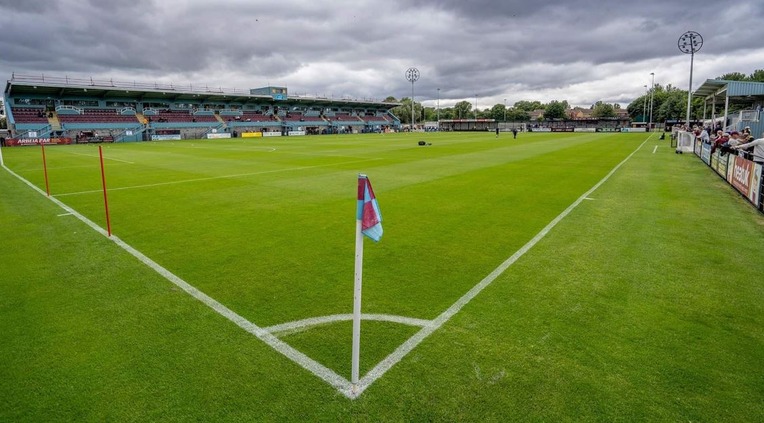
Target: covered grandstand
[{"x": 43, "y": 107}]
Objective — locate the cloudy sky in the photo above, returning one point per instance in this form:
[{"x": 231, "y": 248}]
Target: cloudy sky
[{"x": 577, "y": 50}]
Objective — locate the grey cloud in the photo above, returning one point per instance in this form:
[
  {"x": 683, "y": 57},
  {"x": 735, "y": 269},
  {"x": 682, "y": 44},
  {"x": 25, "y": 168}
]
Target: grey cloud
[{"x": 486, "y": 47}]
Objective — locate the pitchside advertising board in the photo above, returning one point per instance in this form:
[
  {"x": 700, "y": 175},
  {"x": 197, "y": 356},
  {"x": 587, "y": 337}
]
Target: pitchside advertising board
[
  {"x": 705, "y": 153},
  {"x": 745, "y": 176},
  {"x": 166, "y": 137},
  {"x": 698, "y": 145},
  {"x": 14, "y": 142},
  {"x": 633, "y": 129},
  {"x": 218, "y": 135}
]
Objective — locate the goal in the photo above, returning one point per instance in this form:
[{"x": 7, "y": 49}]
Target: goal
[{"x": 685, "y": 142}]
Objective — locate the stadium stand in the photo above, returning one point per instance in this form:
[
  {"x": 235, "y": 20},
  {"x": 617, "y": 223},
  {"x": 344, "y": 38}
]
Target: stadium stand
[
  {"x": 29, "y": 115},
  {"x": 132, "y": 111}
]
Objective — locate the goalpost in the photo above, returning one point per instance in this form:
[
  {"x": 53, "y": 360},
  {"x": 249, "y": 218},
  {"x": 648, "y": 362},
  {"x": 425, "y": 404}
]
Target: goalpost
[{"x": 685, "y": 142}]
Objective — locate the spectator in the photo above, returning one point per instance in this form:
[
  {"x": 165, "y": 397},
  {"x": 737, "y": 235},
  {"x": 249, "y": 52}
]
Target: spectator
[
  {"x": 719, "y": 141},
  {"x": 758, "y": 149},
  {"x": 704, "y": 138}
]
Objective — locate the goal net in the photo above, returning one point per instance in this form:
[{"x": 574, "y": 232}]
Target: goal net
[{"x": 685, "y": 142}]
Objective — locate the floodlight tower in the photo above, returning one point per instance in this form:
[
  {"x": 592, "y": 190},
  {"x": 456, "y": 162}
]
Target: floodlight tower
[
  {"x": 476, "y": 108},
  {"x": 505, "y": 111},
  {"x": 644, "y": 107},
  {"x": 412, "y": 75},
  {"x": 652, "y": 94},
  {"x": 689, "y": 43},
  {"x": 438, "y": 108}
]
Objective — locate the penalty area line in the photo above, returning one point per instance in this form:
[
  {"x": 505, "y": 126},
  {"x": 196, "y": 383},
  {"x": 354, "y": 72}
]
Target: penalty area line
[
  {"x": 210, "y": 178},
  {"x": 380, "y": 369}
]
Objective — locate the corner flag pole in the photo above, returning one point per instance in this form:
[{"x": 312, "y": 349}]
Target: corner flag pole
[
  {"x": 368, "y": 223},
  {"x": 105, "y": 199},
  {"x": 45, "y": 168},
  {"x": 357, "y": 288}
]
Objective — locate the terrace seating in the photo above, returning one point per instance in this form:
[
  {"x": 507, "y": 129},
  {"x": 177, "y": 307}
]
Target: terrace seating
[
  {"x": 29, "y": 115},
  {"x": 344, "y": 117},
  {"x": 380, "y": 119},
  {"x": 299, "y": 117},
  {"x": 256, "y": 117},
  {"x": 97, "y": 116}
]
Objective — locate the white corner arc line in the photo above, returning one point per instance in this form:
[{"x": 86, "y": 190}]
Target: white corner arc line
[
  {"x": 324, "y": 373},
  {"x": 333, "y": 318},
  {"x": 411, "y": 343}
]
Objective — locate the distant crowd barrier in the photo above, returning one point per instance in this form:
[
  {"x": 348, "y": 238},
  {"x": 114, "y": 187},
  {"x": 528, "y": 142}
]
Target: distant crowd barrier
[{"x": 744, "y": 175}]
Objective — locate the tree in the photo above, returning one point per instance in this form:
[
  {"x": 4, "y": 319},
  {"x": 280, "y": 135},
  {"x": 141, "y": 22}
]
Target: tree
[
  {"x": 554, "y": 110},
  {"x": 462, "y": 110},
  {"x": 517, "y": 115},
  {"x": 603, "y": 110},
  {"x": 390, "y": 99},
  {"x": 498, "y": 112},
  {"x": 403, "y": 112},
  {"x": 733, "y": 76},
  {"x": 528, "y": 106},
  {"x": 3, "y": 123},
  {"x": 757, "y": 75}
]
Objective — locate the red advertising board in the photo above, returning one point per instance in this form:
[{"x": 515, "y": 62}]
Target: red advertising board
[
  {"x": 13, "y": 142},
  {"x": 745, "y": 176}
]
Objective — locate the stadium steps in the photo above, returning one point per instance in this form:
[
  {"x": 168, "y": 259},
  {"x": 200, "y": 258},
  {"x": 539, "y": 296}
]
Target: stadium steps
[
  {"x": 220, "y": 119},
  {"x": 53, "y": 121},
  {"x": 142, "y": 119}
]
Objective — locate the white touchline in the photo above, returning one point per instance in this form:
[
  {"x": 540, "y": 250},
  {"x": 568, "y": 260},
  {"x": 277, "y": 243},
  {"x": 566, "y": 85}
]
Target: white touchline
[
  {"x": 210, "y": 178},
  {"x": 324, "y": 373},
  {"x": 405, "y": 348},
  {"x": 329, "y": 376},
  {"x": 654, "y": 149}
]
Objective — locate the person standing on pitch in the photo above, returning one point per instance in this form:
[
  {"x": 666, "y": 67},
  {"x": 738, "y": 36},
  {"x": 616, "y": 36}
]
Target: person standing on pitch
[
  {"x": 514, "y": 133},
  {"x": 497, "y": 131}
]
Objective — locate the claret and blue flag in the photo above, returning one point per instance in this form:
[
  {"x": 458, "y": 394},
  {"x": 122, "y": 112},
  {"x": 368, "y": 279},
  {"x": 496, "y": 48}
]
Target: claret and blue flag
[{"x": 368, "y": 210}]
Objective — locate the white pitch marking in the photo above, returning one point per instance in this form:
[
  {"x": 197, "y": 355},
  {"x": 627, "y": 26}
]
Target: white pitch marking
[
  {"x": 212, "y": 178},
  {"x": 324, "y": 373},
  {"x": 590, "y": 199},
  {"x": 411, "y": 343},
  {"x": 314, "y": 321},
  {"x": 95, "y": 157},
  {"x": 656, "y": 147},
  {"x": 338, "y": 382},
  {"x": 63, "y": 214}
]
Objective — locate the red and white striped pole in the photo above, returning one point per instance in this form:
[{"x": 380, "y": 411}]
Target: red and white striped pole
[
  {"x": 105, "y": 198},
  {"x": 45, "y": 168}
]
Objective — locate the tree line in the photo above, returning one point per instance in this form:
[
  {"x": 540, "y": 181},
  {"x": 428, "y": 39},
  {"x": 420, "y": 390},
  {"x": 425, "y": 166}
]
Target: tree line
[
  {"x": 670, "y": 103},
  {"x": 518, "y": 112}
]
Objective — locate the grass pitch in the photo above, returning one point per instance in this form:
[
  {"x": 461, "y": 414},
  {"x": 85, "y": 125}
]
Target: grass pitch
[{"x": 635, "y": 307}]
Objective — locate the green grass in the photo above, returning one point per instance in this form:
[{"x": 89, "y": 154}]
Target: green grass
[{"x": 643, "y": 304}]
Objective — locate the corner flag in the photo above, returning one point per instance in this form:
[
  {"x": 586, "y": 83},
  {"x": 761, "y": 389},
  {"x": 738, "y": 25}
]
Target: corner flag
[
  {"x": 368, "y": 210},
  {"x": 368, "y": 222}
]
